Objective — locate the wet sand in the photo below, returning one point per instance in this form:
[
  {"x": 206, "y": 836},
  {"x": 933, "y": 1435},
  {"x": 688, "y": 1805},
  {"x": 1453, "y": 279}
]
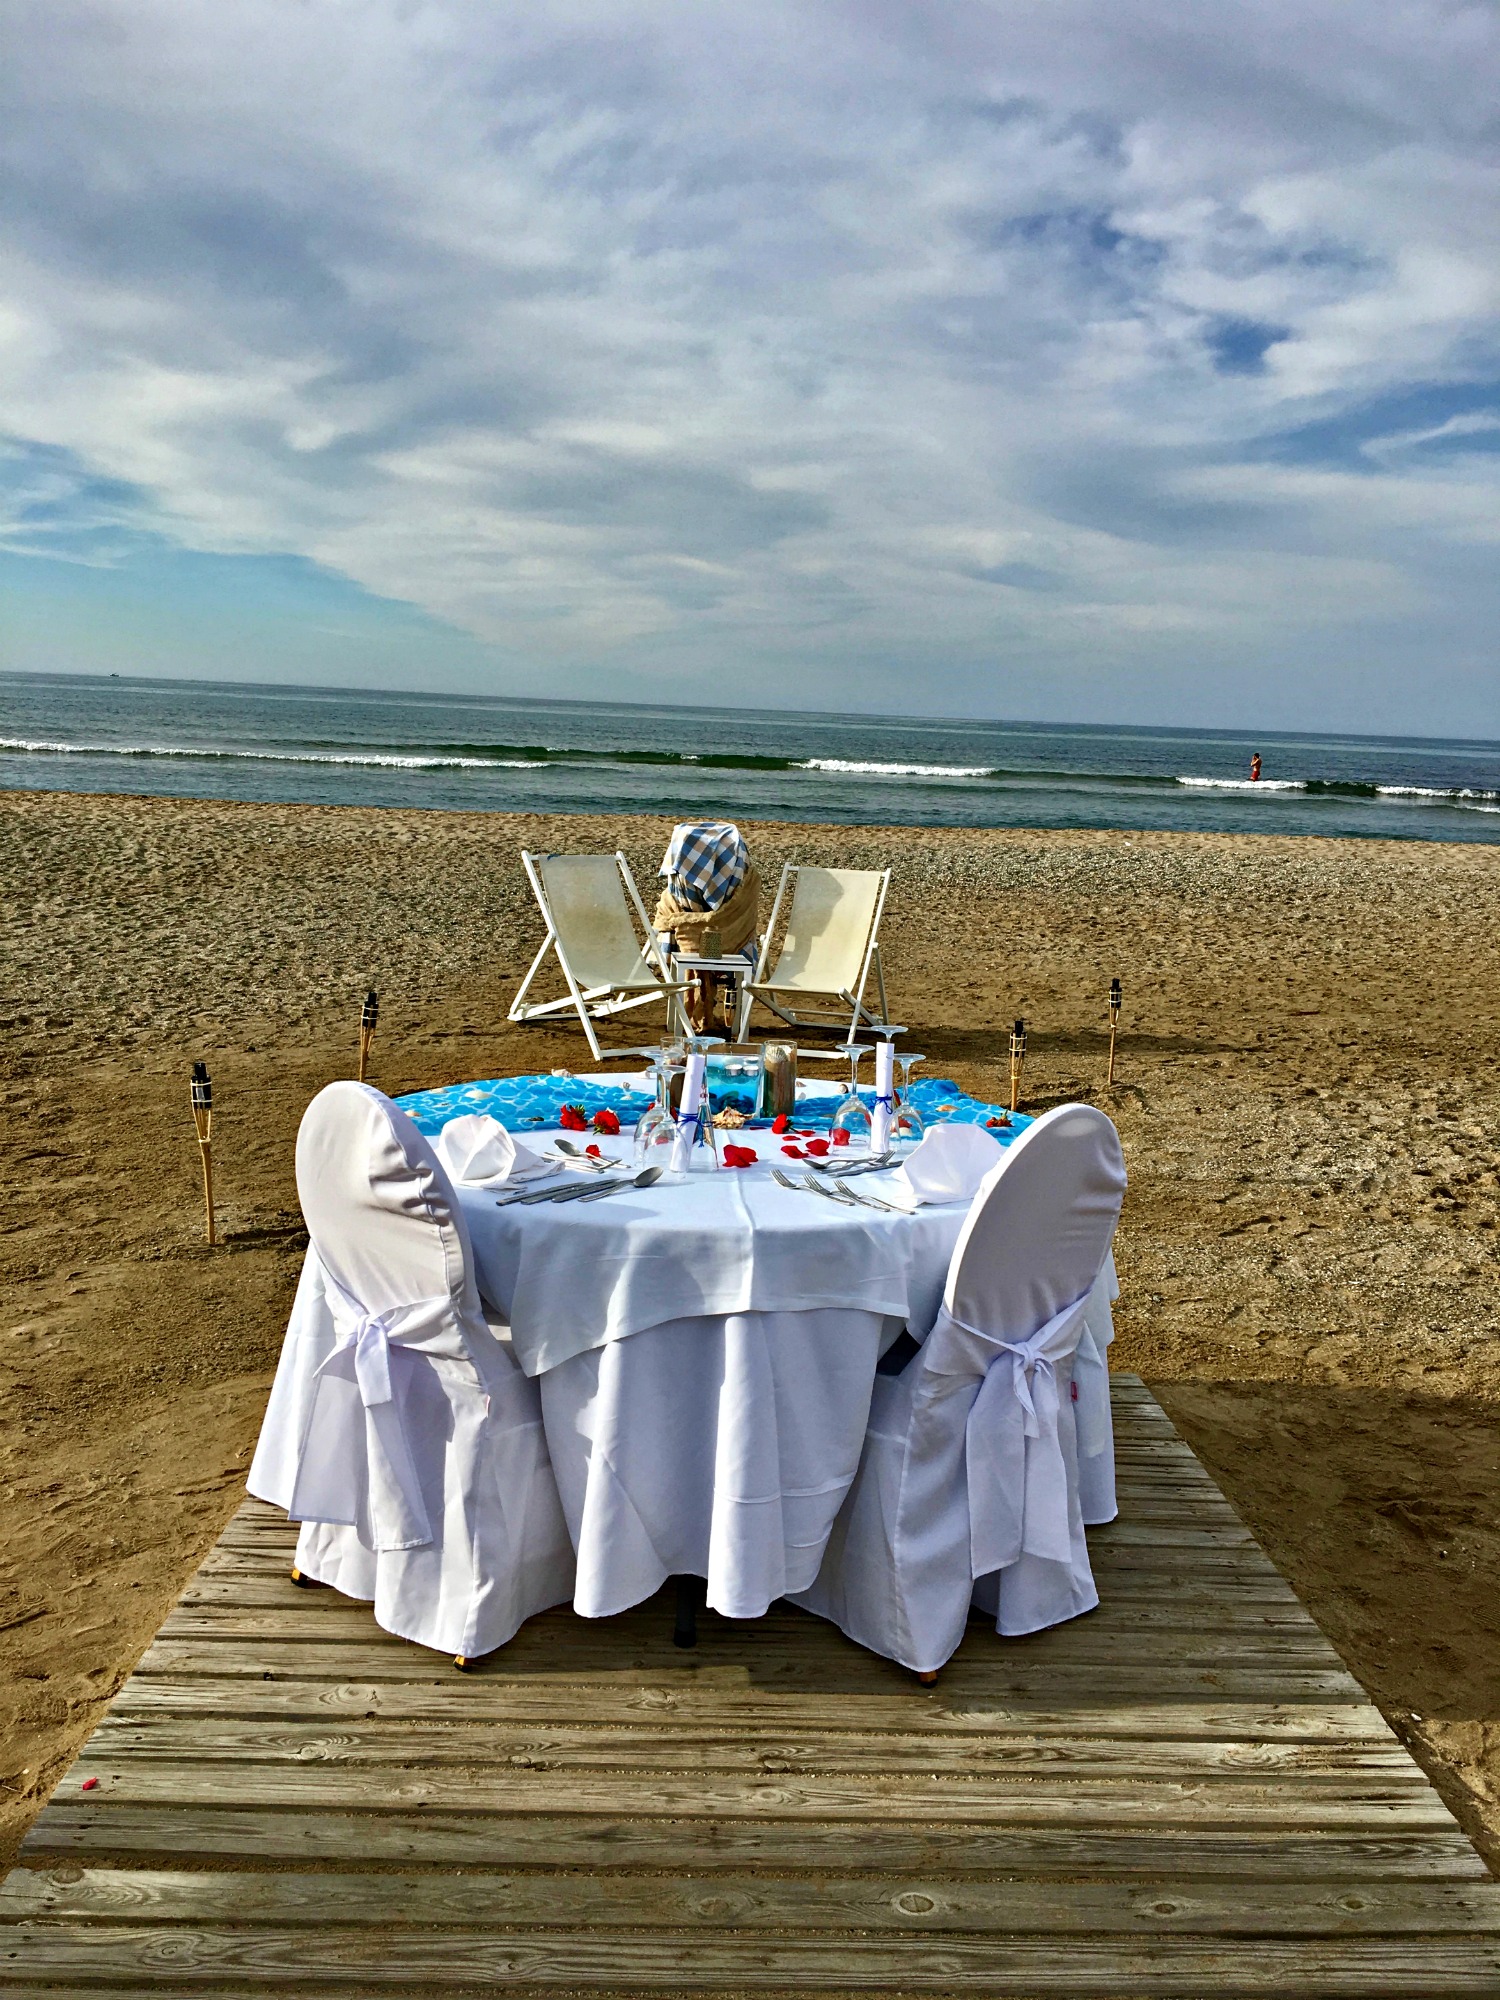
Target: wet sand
[{"x": 1308, "y": 1098}]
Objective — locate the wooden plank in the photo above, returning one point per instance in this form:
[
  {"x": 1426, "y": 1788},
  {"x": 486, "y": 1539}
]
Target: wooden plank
[
  {"x": 1047, "y": 1682},
  {"x": 1173, "y": 1641},
  {"x": 70, "y": 1828},
  {"x": 1367, "y": 1804},
  {"x": 677, "y": 1748},
  {"x": 263, "y": 1958},
  {"x": 489, "y": 1698},
  {"x": 1134, "y": 1611},
  {"x": 928, "y": 1904}
]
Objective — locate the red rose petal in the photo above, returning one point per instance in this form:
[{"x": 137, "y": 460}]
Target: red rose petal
[
  {"x": 817, "y": 1147},
  {"x": 89, "y": 1785},
  {"x": 840, "y": 1138},
  {"x": 794, "y": 1152},
  {"x": 593, "y": 1152}
]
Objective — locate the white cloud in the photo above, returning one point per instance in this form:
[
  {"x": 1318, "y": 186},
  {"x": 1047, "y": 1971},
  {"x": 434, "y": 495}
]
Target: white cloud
[{"x": 818, "y": 340}]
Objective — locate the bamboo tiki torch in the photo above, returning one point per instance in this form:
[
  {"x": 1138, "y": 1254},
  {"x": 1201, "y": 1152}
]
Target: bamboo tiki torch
[
  {"x": 1017, "y": 1059},
  {"x": 202, "y": 1092},
  {"x": 369, "y": 1014},
  {"x": 1114, "y": 1025}
]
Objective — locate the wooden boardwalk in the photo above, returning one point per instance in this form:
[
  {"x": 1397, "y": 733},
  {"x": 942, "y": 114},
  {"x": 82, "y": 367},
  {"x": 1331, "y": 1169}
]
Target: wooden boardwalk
[{"x": 1184, "y": 1793}]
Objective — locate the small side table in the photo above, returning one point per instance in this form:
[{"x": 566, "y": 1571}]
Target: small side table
[{"x": 734, "y": 968}]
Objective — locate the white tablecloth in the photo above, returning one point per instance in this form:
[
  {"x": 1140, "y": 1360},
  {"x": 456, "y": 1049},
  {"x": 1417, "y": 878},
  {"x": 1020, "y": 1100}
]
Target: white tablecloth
[
  {"x": 573, "y": 1276},
  {"x": 706, "y": 1353}
]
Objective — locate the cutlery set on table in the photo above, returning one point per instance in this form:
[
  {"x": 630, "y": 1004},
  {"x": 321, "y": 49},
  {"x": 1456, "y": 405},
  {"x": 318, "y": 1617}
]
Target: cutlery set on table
[
  {"x": 833, "y": 1188},
  {"x": 591, "y": 1188},
  {"x": 600, "y": 1178}
]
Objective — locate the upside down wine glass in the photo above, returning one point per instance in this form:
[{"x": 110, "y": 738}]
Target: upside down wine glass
[
  {"x": 851, "y": 1114},
  {"x": 907, "y": 1127},
  {"x": 654, "y": 1127}
]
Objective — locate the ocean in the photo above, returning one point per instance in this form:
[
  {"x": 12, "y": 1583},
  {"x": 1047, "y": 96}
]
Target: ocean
[{"x": 464, "y": 753}]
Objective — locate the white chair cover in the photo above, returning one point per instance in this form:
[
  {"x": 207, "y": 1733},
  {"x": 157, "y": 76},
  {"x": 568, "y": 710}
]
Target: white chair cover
[
  {"x": 1096, "y": 1433},
  {"x": 968, "y": 1487},
  {"x": 401, "y": 1430}
]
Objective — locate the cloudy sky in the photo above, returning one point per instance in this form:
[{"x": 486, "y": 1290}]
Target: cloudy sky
[{"x": 1099, "y": 360}]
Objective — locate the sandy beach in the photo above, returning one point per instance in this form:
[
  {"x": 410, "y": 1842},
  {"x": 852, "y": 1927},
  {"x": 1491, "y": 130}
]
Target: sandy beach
[{"x": 1308, "y": 1098}]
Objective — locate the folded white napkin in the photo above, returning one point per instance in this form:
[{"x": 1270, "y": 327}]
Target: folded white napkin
[
  {"x": 948, "y": 1165},
  {"x": 479, "y": 1152}
]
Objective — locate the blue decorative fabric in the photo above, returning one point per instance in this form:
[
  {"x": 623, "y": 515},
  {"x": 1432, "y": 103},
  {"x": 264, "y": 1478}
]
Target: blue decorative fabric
[
  {"x": 524, "y": 1103},
  {"x": 705, "y": 863}
]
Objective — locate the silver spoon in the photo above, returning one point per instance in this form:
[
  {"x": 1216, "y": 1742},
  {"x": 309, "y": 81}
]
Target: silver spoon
[
  {"x": 647, "y": 1177},
  {"x": 565, "y": 1150}
]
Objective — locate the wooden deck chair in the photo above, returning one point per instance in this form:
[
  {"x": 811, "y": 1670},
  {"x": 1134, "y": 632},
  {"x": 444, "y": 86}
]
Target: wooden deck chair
[
  {"x": 589, "y": 925},
  {"x": 831, "y": 947}
]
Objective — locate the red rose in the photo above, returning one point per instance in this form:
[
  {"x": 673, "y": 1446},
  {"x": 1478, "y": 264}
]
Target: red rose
[
  {"x": 840, "y": 1137},
  {"x": 606, "y": 1121},
  {"x": 571, "y": 1118},
  {"x": 817, "y": 1147},
  {"x": 780, "y": 1123}
]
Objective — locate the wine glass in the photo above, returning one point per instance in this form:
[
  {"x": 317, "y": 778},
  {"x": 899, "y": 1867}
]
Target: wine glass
[
  {"x": 907, "y": 1127},
  {"x": 654, "y": 1128},
  {"x": 703, "y": 1152},
  {"x": 851, "y": 1114}
]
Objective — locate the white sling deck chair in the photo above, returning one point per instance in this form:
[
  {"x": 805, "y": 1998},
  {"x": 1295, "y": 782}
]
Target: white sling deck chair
[
  {"x": 607, "y": 967},
  {"x": 831, "y": 947}
]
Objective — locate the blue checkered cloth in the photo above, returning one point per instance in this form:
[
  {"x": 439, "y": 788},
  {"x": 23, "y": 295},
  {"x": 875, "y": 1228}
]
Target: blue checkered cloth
[{"x": 705, "y": 863}]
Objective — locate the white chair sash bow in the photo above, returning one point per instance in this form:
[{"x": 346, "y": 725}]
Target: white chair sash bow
[
  {"x": 1017, "y": 1475},
  {"x": 355, "y": 1448}
]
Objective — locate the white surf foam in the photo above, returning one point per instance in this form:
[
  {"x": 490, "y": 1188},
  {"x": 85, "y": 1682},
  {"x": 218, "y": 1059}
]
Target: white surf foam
[
  {"x": 385, "y": 759},
  {"x": 1246, "y": 784},
  {"x": 853, "y": 767}
]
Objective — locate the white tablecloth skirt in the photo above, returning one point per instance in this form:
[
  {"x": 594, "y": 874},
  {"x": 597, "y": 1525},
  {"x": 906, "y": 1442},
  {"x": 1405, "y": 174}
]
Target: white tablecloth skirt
[{"x": 717, "y": 1446}]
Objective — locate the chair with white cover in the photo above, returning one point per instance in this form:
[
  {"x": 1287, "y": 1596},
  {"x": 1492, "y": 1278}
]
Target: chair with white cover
[
  {"x": 401, "y": 1431},
  {"x": 968, "y": 1486},
  {"x": 608, "y": 964},
  {"x": 830, "y": 949}
]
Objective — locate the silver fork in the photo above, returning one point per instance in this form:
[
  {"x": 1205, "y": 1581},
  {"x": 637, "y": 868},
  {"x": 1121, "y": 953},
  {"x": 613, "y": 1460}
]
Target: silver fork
[
  {"x": 870, "y": 1200},
  {"x": 814, "y": 1187}
]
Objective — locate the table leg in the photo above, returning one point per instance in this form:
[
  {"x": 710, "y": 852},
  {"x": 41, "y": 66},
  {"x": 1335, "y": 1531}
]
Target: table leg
[{"x": 691, "y": 1591}]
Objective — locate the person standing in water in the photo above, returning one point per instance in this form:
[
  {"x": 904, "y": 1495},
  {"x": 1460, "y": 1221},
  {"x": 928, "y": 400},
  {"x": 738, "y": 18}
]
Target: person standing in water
[{"x": 1255, "y": 768}]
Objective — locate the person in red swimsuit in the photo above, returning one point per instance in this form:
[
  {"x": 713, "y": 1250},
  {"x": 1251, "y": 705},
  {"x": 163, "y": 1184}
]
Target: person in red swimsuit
[{"x": 1255, "y": 768}]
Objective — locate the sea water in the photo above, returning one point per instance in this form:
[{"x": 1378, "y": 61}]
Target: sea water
[{"x": 326, "y": 746}]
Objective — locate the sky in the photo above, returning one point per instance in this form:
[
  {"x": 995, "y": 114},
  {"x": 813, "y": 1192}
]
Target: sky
[{"x": 1096, "y": 361}]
